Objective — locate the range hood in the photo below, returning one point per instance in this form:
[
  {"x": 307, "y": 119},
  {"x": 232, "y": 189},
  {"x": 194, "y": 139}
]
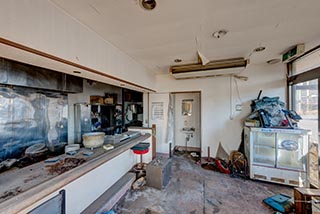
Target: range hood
[{"x": 213, "y": 68}]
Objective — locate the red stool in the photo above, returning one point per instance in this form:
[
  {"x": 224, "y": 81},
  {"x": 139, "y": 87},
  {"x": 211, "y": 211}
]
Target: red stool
[{"x": 141, "y": 149}]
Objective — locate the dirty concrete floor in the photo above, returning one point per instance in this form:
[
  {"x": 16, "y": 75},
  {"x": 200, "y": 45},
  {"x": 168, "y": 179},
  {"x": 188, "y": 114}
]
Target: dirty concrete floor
[{"x": 193, "y": 190}]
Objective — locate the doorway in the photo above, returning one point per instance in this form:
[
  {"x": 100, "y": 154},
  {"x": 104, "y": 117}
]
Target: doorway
[{"x": 187, "y": 121}]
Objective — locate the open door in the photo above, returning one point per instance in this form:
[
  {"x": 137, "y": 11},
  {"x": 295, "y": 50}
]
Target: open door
[
  {"x": 187, "y": 121},
  {"x": 159, "y": 107}
]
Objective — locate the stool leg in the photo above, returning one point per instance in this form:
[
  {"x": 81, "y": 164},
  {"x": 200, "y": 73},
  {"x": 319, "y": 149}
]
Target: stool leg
[{"x": 141, "y": 158}]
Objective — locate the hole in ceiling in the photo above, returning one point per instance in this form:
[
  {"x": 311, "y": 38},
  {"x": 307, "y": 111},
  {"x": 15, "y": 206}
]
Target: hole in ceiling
[
  {"x": 220, "y": 33},
  {"x": 273, "y": 61},
  {"x": 259, "y": 49},
  {"x": 148, "y": 4}
]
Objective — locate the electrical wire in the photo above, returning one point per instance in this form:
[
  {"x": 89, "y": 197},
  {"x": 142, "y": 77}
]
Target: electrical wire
[
  {"x": 231, "y": 98},
  {"x": 237, "y": 89}
]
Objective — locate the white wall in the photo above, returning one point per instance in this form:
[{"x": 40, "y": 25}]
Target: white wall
[
  {"x": 215, "y": 101},
  {"x": 41, "y": 25}
]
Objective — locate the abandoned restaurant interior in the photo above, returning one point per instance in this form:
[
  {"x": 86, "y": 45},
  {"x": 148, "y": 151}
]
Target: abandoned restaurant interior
[{"x": 159, "y": 107}]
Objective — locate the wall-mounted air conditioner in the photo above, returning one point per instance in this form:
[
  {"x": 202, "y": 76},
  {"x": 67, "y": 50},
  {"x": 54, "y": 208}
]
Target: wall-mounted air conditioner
[{"x": 213, "y": 68}]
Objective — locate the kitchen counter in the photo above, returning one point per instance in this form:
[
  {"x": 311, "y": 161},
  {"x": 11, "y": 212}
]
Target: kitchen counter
[{"x": 28, "y": 185}]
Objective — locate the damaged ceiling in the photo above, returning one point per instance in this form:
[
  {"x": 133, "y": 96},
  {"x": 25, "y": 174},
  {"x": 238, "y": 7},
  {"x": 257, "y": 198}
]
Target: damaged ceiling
[{"x": 176, "y": 29}]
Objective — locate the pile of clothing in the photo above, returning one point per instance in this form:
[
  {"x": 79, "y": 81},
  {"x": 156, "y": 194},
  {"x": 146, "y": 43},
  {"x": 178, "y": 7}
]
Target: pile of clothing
[{"x": 271, "y": 112}]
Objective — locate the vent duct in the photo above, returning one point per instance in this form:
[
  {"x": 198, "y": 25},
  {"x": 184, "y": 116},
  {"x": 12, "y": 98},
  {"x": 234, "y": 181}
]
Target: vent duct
[{"x": 213, "y": 68}]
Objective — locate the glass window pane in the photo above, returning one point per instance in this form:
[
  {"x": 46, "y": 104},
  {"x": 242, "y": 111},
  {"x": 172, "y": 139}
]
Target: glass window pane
[
  {"x": 292, "y": 151},
  {"x": 264, "y": 148},
  {"x": 306, "y": 105},
  {"x": 306, "y": 63}
]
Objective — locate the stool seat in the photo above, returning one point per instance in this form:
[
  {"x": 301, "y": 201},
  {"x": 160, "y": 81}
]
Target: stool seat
[
  {"x": 141, "y": 149},
  {"x": 141, "y": 146},
  {"x": 141, "y": 152}
]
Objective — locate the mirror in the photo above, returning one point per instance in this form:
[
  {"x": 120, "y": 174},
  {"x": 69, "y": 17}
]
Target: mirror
[{"x": 187, "y": 107}]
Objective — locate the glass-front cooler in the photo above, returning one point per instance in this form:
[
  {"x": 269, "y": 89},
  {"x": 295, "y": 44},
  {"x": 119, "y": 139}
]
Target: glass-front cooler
[
  {"x": 280, "y": 155},
  {"x": 264, "y": 150},
  {"x": 292, "y": 151}
]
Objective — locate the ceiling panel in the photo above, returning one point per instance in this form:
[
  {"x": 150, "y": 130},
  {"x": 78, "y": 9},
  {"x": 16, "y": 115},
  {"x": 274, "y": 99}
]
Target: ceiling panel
[{"x": 155, "y": 38}]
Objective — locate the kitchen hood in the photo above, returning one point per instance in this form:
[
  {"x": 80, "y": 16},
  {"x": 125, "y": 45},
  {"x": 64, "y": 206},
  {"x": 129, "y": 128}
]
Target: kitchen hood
[{"x": 213, "y": 68}]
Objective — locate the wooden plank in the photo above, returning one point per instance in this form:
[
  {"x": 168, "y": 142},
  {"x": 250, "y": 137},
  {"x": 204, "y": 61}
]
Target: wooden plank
[
  {"x": 302, "y": 197},
  {"x": 313, "y": 170},
  {"x": 154, "y": 141},
  {"x": 308, "y": 191}
]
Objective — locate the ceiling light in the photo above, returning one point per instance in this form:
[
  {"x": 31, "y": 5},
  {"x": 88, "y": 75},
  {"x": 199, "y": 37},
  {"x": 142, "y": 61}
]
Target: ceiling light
[
  {"x": 219, "y": 34},
  {"x": 259, "y": 49},
  {"x": 273, "y": 61},
  {"x": 177, "y": 60},
  {"x": 148, "y": 4},
  {"x": 77, "y": 72}
]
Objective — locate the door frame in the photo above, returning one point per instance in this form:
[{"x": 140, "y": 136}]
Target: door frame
[{"x": 200, "y": 111}]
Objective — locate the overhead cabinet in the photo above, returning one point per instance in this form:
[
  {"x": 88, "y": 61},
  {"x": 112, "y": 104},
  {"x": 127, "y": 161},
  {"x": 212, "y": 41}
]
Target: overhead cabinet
[{"x": 281, "y": 155}]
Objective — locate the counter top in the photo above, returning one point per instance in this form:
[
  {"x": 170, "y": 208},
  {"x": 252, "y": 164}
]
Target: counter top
[{"x": 30, "y": 184}]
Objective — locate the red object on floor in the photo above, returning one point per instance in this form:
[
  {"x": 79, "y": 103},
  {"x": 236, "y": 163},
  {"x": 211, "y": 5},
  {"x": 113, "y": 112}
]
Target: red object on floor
[
  {"x": 221, "y": 167},
  {"x": 141, "y": 152}
]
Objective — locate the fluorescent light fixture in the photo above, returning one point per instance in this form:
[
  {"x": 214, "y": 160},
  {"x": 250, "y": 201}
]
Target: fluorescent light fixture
[{"x": 213, "y": 68}]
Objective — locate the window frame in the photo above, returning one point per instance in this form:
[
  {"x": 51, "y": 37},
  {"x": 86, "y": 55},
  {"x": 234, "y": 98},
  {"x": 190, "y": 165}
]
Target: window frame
[{"x": 308, "y": 75}]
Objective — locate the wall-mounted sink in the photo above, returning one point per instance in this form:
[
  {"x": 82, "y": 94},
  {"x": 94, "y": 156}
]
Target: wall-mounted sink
[{"x": 188, "y": 129}]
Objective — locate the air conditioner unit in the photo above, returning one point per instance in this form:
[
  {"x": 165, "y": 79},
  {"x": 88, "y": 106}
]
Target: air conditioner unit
[{"x": 213, "y": 68}]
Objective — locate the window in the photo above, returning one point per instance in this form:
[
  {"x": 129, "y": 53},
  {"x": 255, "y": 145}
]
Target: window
[
  {"x": 304, "y": 84},
  {"x": 306, "y": 63}
]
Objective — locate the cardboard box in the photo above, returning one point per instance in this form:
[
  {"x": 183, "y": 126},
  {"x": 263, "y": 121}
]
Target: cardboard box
[
  {"x": 96, "y": 99},
  {"x": 108, "y": 100}
]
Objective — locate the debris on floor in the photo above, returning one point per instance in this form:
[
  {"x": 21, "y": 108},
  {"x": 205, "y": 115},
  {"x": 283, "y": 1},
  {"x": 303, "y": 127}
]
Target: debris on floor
[
  {"x": 139, "y": 184},
  {"x": 280, "y": 202},
  {"x": 65, "y": 165},
  {"x": 139, "y": 169},
  {"x": 236, "y": 165},
  {"x": 195, "y": 190},
  {"x": 193, "y": 155},
  {"x": 107, "y": 212},
  {"x": 217, "y": 165},
  {"x": 221, "y": 153}
]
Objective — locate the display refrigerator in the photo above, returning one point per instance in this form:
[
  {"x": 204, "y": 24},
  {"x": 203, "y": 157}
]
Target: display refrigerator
[{"x": 282, "y": 156}]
